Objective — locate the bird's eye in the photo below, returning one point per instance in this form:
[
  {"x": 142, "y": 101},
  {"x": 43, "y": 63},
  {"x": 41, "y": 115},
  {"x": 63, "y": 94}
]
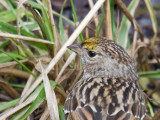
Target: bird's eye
[{"x": 92, "y": 53}]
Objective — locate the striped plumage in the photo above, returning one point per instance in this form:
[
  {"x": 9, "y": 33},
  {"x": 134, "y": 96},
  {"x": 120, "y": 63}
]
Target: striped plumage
[{"x": 108, "y": 89}]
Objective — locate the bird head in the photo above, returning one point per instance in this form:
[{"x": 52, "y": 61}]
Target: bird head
[{"x": 103, "y": 57}]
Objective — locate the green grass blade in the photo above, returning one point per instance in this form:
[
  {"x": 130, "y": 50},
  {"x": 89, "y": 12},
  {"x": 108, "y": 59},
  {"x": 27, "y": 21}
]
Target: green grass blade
[
  {"x": 61, "y": 28},
  {"x": 152, "y": 15},
  {"x": 76, "y": 18},
  {"x": 5, "y": 27},
  {"x": 40, "y": 98},
  {"x": 6, "y": 58},
  {"x": 37, "y": 6},
  {"x": 112, "y": 18},
  {"x": 150, "y": 108},
  {"x": 8, "y": 16},
  {"x": 17, "y": 85},
  {"x": 125, "y": 25},
  {"x": 61, "y": 113},
  {"x": 26, "y": 68},
  {"x": 150, "y": 74},
  {"x": 18, "y": 113},
  {"x": 14, "y": 116},
  {"x": 100, "y": 24},
  {"x": 9, "y": 104},
  {"x": 47, "y": 25},
  {"x": 15, "y": 13},
  {"x": 4, "y": 43}
]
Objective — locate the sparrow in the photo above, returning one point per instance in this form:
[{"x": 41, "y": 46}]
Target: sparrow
[{"x": 108, "y": 89}]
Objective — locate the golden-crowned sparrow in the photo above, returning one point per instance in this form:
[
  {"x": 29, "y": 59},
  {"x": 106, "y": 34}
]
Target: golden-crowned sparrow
[{"x": 108, "y": 89}]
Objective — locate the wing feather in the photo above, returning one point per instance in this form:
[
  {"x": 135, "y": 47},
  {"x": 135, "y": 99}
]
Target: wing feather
[{"x": 105, "y": 99}]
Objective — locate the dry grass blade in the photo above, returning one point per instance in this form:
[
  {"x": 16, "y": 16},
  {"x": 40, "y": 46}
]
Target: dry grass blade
[
  {"x": 53, "y": 27},
  {"x": 34, "y": 85},
  {"x": 29, "y": 82},
  {"x": 134, "y": 38},
  {"x": 21, "y": 114},
  {"x": 66, "y": 75},
  {"x": 154, "y": 22},
  {"x": 69, "y": 60},
  {"x": 95, "y": 16},
  {"x": 144, "y": 45},
  {"x": 108, "y": 24},
  {"x": 76, "y": 79},
  {"x": 45, "y": 114},
  {"x": 140, "y": 45},
  {"x": 57, "y": 89},
  {"x": 118, "y": 28},
  {"x": 7, "y": 35},
  {"x": 11, "y": 111},
  {"x": 64, "y": 48},
  {"x": 14, "y": 72},
  {"x": 20, "y": 3},
  {"x": 50, "y": 96},
  {"x": 8, "y": 89},
  {"x": 9, "y": 64},
  {"x": 3, "y": 2}
]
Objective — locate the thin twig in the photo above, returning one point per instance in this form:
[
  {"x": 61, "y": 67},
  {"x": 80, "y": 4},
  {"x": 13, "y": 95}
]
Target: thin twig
[
  {"x": 29, "y": 82},
  {"x": 69, "y": 60},
  {"x": 134, "y": 38},
  {"x": 53, "y": 27},
  {"x": 66, "y": 75},
  {"x": 91, "y": 6},
  {"x": 117, "y": 31},
  {"x": 108, "y": 24},
  {"x": 57, "y": 89},
  {"x": 20, "y": 37},
  {"x": 18, "y": 26},
  {"x": 76, "y": 79}
]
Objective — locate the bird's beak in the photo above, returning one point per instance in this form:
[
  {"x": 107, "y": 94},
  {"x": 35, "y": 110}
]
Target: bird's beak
[{"x": 76, "y": 48}]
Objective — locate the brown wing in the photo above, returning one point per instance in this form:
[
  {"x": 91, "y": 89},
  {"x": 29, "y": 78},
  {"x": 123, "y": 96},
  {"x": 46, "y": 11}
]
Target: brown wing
[
  {"x": 105, "y": 99},
  {"x": 131, "y": 112},
  {"x": 85, "y": 113},
  {"x": 76, "y": 110}
]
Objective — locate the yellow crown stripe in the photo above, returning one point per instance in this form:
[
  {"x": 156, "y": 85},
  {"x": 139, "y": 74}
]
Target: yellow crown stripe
[{"x": 91, "y": 43}]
